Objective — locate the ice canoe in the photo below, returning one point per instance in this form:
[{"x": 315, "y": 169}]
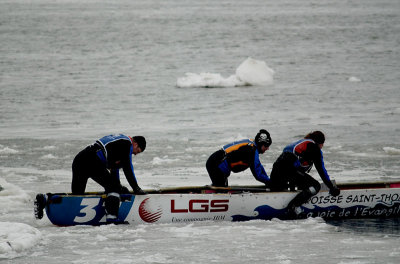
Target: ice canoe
[{"x": 207, "y": 203}]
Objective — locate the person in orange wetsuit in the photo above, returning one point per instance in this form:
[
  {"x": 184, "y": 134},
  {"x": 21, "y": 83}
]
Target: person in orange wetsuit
[{"x": 239, "y": 156}]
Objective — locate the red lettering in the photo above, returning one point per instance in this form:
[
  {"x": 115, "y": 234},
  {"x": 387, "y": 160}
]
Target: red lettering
[
  {"x": 173, "y": 210},
  {"x": 219, "y": 205},
  {"x": 204, "y": 207}
]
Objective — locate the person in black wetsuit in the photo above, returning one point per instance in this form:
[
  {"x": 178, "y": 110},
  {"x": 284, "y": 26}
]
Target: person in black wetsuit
[
  {"x": 291, "y": 169},
  {"x": 239, "y": 156},
  {"x": 101, "y": 162}
]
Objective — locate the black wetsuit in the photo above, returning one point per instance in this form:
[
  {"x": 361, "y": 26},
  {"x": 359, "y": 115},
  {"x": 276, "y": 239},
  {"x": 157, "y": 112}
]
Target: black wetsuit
[
  {"x": 291, "y": 169},
  {"x": 101, "y": 162}
]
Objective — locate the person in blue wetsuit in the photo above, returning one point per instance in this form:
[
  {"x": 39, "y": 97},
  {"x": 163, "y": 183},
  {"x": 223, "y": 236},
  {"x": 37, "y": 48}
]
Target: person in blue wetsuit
[
  {"x": 239, "y": 156},
  {"x": 101, "y": 162},
  {"x": 291, "y": 169}
]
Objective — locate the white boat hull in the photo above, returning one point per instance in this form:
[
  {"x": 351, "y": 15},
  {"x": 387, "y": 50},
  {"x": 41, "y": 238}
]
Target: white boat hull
[{"x": 190, "y": 204}]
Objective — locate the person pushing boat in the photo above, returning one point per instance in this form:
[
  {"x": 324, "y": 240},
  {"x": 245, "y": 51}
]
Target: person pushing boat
[
  {"x": 239, "y": 156},
  {"x": 101, "y": 162},
  {"x": 291, "y": 169}
]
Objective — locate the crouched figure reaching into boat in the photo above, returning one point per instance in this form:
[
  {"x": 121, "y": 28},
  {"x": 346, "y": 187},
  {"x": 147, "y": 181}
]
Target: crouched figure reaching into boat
[
  {"x": 291, "y": 169},
  {"x": 101, "y": 162},
  {"x": 239, "y": 156}
]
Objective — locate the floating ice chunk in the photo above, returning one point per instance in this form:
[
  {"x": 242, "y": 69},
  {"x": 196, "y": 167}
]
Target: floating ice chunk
[
  {"x": 163, "y": 160},
  {"x": 391, "y": 151},
  {"x": 354, "y": 79},
  {"x": 255, "y": 72},
  {"x": 206, "y": 79},
  {"x": 49, "y": 147},
  {"x": 11, "y": 197},
  {"x": 250, "y": 72},
  {"x": 48, "y": 156},
  {"x": 17, "y": 237},
  {"x": 8, "y": 150}
]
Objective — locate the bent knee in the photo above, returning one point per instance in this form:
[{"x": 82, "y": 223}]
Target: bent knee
[{"x": 314, "y": 189}]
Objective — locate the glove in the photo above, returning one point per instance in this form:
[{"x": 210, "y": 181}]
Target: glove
[
  {"x": 124, "y": 189},
  {"x": 334, "y": 191},
  {"x": 138, "y": 191}
]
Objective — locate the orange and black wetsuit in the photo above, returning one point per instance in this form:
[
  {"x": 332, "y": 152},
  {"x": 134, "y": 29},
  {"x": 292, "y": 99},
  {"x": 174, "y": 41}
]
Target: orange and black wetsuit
[{"x": 235, "y": 157}]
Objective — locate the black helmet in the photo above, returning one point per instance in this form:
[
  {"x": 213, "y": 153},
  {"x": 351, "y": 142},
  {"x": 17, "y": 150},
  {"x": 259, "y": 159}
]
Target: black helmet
[{"x": 263, "y": 138}]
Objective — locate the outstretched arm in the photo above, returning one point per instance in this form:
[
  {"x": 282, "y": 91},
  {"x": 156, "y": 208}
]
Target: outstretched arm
[
  {"x": 320, "y": 166},
  {"x": 258, "y": 170}
]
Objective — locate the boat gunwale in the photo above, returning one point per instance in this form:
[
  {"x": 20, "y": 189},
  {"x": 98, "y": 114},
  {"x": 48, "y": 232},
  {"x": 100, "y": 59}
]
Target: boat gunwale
[{"x": 239, "y": 189}]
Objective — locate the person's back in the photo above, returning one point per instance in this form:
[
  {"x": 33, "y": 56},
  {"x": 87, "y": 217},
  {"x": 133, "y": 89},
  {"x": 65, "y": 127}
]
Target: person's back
[
  {"x": 101, "y": 162},
  {"x": 117, "y": 150},
  {"x": 239, "y": 156},
  {"x": 292, "y": 166}
]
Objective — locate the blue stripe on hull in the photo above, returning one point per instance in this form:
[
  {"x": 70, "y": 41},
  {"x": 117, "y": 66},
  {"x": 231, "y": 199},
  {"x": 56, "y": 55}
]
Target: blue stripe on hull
[{"x": 83, "y": 210}]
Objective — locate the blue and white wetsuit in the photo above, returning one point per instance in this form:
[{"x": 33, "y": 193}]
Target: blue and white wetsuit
[{"x": 102, "y": 161}]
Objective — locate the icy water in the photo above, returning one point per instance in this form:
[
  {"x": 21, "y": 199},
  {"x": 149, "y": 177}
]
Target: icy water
[{"x": 73, "y": 71}]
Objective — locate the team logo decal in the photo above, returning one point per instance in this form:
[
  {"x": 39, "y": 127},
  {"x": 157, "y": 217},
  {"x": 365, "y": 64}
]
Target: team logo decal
[{"x": 149, "y": 212}]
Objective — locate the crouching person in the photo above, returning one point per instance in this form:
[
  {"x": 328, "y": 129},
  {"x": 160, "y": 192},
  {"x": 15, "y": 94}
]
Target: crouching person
[
  {"x": 101, "y": 162},
  {"x": 291, "y": 169}
]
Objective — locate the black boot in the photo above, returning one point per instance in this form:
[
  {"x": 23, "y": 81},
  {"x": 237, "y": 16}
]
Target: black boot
[
  {"x": 39, "y": 205},
  {"x": 294, "y": 210},
  {"x": 111, "y": 205}
]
